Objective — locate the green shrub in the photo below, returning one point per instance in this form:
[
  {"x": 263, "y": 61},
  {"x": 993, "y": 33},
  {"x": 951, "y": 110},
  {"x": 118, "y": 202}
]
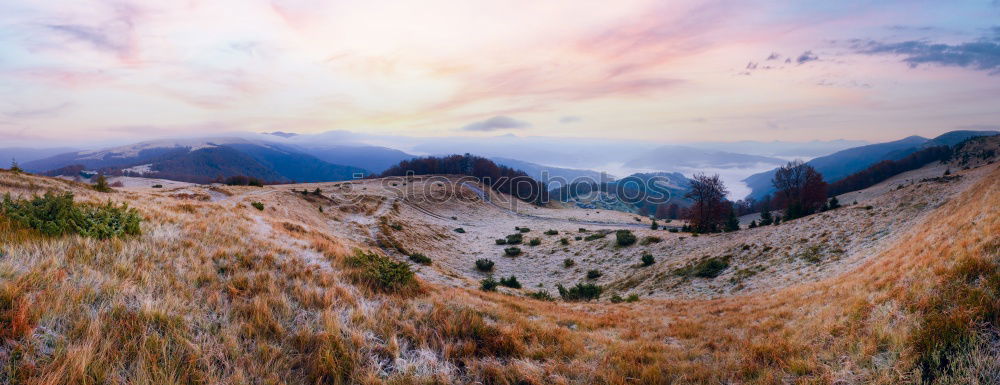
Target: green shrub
[
  {"x": 632, "y": 298},
  {"x": 594, "y": 236},
  {"x": 580, "y": 292},
  {"x": 515, "y": 239},
  {"x": 594, "y": 274},
  {"x": 489, "y": 284},
  {"x": 648, "y": 240},
  {"x": 501, "y": 241},
  {"x": 551, "y": 232},
  {"x": 579, "y": 238},
  {"x": 157, "y": 186},
  {"x": 460, "y": 230},
  {"x": 484, "y": 264},
  {"x": 568, "y": 262},
  {"x": 541, "y": 295},
  {"x": 510, "y": 282},
  {"x": 706, "y": 268},
  {"x": 617, "y": 299},
  {"x": 512, "y": 251},
  {"x": 396, "y": 226},
  {"x": 257, "y": 205},
  {"x": 56, "y": 214},
  {"x": 654, "y": 226},
  {"x": 625, "y": 238},
  {"x": 101, "y": 184},
  {"x": 583, "y": 230},
  {"x": 380, "y": 272},
  {"x": 647, "y": 259},
  {"x": 524, "y": 229},
  {"x": 564, "y": 241},
  {"x": 420, "y": 258},
  {"x": 535, "y": 242}
]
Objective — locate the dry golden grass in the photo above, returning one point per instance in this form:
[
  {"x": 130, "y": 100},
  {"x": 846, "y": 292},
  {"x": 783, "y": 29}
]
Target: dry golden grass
[{"x": 219, "y": 294}]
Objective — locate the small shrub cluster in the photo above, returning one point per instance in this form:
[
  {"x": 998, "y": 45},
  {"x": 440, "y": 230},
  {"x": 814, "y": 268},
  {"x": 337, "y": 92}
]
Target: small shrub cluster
[
  {"x": 484, "y": 264},
  {"x": 580, "y": 292},
  {"x": 647, "y": 259},
  {"x": 420, "y": 258},
  {"x": 460, "y": 230},
  {"x": 624, "y": 238},
  {"x": 594, "y": 236},
  {"x": 564, "y": 241},
  {"x": 568, "y": 262},
  {"x": 380, "y": 272},
  {"x": 510, "y": 282},
  {"x": 515, "y": 239},
  {"x": 535, "y": 242},
  {"x": 56, "y": 214},
  {"x": 651, "y": 239},
  {"x": 257, "y": 205},
  {"x": 631, "y": 298},
  {"x": 594, "y": 274},
  {"x": 489, "y": 284},
  {"x": 523, "y": 229},
  {"x": 541, "y": 295},
  {"x": 501, "y": 241},
  {"x": 551, "y": 232},
  {"x": 512, "y": 251},
  {"x": 706, "y": 268}
]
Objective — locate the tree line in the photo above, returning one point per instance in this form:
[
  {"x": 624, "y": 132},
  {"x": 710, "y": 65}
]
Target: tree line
[{"x": 500, "y": 178}]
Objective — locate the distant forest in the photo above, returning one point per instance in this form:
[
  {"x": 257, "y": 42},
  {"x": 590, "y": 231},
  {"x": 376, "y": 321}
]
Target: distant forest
[
  {"x": 501, "y": 178},
  {"x": 886, "y": 169}
]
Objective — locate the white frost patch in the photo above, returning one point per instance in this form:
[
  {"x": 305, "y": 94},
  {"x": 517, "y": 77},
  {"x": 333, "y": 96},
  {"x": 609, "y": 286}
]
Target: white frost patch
[{"x": 140, "y": 169}]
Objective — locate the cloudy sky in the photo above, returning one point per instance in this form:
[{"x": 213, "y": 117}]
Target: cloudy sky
[{"x": 630, "y": 69}]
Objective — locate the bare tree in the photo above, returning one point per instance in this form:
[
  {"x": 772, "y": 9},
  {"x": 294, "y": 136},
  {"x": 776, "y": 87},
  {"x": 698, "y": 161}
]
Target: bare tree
[
  {"x": 801, "y": 189},
  {"x": 709, "y": 196}
]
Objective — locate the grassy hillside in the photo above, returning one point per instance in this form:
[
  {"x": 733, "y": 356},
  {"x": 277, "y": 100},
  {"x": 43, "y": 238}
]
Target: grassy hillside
[{"x": 237, "y": 285}]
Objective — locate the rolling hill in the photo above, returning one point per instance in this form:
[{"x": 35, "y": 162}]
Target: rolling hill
[{"x": 843, "y": 163}]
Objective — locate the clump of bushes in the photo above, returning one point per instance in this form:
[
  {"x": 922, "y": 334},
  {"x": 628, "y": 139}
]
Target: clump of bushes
[
  {"x": 594, "y": 274},
  {"x": 631, "y": 298},
  {"x": 380, "y": 272},
  {"x": 651, "y": 239},
  {"x": 510, "y": 282},
  {"x": 647, "y": 259},
  {"x": 515, "y": 239},
  {"x": 501, "y": 241},
  {"x": 460, "y": 230},
  {"x": 512, "y": 251},
  {"x": 580, "y": 292},
  {"x": 551, "y": 232},
  {"x": 524, "y": 230},
  {"x": 420, "y": 258},
  {"x": 535, "y": 242},
  {"x": 564, "y": 241},
  {"x": 594, "y": 236},
  {"x": 56, "y": 214},
  {"x": 396, "y": 226},
  {"x": 257, "y": 205},
  {"x": 484, "y": 264},
  {"x": 101, "y": 184},
  {"x": 541, "y": 295},
  {"x": 568, "y": 262},
  {"x": 706, "y": 268},
  {"x": 157, "y": 186},
  {"x": 625, "y": 238},
  {"x": 489, "y": 284}
]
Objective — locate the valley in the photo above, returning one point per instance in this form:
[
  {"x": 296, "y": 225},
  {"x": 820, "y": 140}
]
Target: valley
[{"x": 267, "y": 276}]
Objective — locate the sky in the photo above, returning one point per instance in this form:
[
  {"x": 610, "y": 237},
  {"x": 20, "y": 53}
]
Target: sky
[{"x": 658, "y": 71}]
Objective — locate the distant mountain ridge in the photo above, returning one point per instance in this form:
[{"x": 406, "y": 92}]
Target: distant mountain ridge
[
  {"x": 204, "y": 160},
  {"x": 840, "y": 164}
]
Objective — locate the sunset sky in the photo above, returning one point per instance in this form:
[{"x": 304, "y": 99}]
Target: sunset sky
[{"x": 633, "y": 69}]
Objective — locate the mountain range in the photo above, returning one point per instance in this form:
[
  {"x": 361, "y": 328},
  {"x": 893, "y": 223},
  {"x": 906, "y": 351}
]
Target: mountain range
[{"x": 840, "y": 164}]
